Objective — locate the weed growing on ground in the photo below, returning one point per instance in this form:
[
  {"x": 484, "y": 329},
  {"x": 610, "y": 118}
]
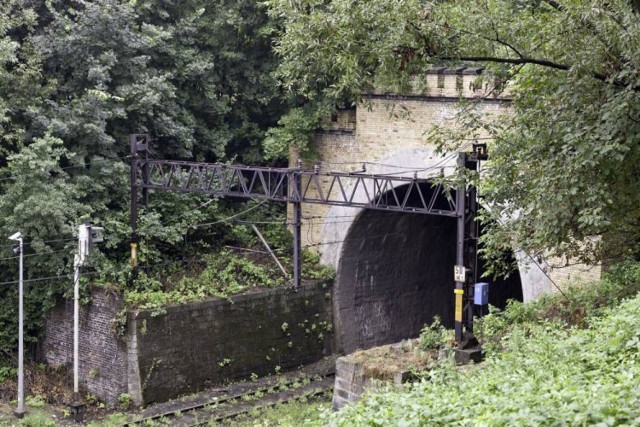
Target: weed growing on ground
[{"x": 558, "y": 361}]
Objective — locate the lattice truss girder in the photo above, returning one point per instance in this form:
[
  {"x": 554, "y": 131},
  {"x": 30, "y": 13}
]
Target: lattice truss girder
[{"x": 382, "y": 192}]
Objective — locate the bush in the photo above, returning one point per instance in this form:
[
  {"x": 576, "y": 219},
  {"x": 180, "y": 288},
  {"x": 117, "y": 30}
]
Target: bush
[
  {"x": 225, "y": 274},
  {"x": 433, "y": 336},
  {"x": 548, "y": 375},
  {"x": 553, "y": 368},
  {"x": 579, "y": 303}
]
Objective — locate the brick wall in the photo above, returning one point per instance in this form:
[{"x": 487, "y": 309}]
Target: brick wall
[
  {"x": 193, "y": 346},
  {"x": 563, "y": 274},
  {"x": 188, "y": 347},
  {"x": 352, "y": 380},
  {"x": 383, "y": 126},
  {"x": 103, "y": 357},
  {"x": 390, "y": 130}
]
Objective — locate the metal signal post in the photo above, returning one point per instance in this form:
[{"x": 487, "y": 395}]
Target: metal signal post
[
  {"x": 466, "y": 268},
  {"x": 87, "y": 236}
]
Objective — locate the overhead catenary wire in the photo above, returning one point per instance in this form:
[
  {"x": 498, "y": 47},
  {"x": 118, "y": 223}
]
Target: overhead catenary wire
[
  {"x": 220, "y": 221},
  {"x": 43, "y": 241},
  {"x": 318, "y": 244},
  {"x": 181, "y": 261},
  {"x": 95, "y": 273},
  {"x": 232, "y": 217},
  {"x": 171, "y": 220},
  {"x": 34, "y": 255},
  {"x": 406, "y": 169}
]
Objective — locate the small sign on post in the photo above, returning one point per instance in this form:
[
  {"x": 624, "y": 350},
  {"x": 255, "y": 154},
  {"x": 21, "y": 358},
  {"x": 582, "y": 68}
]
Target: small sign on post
[{"x": 459, "y": 273}]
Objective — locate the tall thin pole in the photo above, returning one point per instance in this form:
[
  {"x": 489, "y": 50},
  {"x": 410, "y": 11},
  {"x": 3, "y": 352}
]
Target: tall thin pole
[
  {"x": 84, "y": 239},
  {"x": 460, "y": 273},
  {"x": 76, "y": 326},
  {"x": 297, "y": 232},
  {"x": 20, "y": 408},
  {"x": 134, "y": 207}
]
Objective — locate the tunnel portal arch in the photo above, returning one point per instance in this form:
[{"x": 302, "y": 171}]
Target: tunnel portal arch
[
  {"x": 395, "y": 274},
  {"x": 374, "y": 251}
]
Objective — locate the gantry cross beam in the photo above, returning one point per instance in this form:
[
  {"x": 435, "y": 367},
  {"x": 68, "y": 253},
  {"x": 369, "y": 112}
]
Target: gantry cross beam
[{"x": 297, "y": 185}]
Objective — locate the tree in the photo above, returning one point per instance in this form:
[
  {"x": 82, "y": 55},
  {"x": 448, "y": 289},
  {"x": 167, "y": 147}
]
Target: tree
[
  {"x": 195, "y": 76},
  {"x": 77, "y": 77},
  {"x": 20, "y": 74},
  {"x": 564, "y": 165}
]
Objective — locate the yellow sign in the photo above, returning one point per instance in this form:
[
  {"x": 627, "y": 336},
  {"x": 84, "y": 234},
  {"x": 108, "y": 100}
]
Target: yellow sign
[
  {"x": 458, "y": 313},
  {"x": 134, "y": 254}
]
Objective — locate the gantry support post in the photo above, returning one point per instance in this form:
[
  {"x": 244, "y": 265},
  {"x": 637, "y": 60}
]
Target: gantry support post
[
  {"x": 297, "y": 228},
  {"x": 139, "y": 143},
  {"x": 466, "y": 269},
  {"x": 460, "y": 273},
  {"x": 472, "y": 252}
]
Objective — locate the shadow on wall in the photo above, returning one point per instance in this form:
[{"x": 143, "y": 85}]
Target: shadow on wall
[{"x": 395, "y": 273}]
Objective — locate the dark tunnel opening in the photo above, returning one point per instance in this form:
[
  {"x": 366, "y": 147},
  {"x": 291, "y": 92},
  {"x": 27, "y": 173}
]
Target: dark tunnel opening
[{"x": 396, "y": 273}]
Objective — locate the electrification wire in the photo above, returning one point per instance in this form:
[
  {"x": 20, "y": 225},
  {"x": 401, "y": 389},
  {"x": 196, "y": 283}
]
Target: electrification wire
[
  {"x": 348, "y": 221},
  {"x": 43, "y": 241},
  {"x": 172, "y": 220},
  {"x": 220, "y": 221},
  {"x": 122, "y": 271},
  {"x": 542, "y": 270},
  {"x": 95, "y": 273},
  {"x": 33, "y": 255},
  {"x": 407, "y": 169},
  {"x": 246, "y": 249},
  {"x": 38, "y": 279}
]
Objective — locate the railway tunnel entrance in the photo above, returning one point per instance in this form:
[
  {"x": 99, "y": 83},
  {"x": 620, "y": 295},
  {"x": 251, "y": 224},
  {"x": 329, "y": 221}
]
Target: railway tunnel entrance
[{"x": 395, "y": 273}]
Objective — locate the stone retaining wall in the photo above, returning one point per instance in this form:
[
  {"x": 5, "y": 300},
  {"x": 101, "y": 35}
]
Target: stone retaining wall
[
  {"x": 188, "y": 347},
  {"x": 103, "y": 357},
  {"x": 195, "y": 346}
]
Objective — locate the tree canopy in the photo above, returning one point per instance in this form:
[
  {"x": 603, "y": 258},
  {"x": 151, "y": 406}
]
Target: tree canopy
[
  {"x": 564, "y": 165},
  {"x": 76, "y": 78}
]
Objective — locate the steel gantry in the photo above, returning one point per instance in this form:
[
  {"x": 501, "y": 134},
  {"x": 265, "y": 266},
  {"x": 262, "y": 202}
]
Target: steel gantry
[{"x": 299, "y": 185}]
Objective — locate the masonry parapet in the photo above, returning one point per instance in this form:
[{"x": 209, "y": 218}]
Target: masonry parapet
[{"x": 451, "y": 82}]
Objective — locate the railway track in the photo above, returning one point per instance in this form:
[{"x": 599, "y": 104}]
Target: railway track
[{"x": 223, "y": 404}]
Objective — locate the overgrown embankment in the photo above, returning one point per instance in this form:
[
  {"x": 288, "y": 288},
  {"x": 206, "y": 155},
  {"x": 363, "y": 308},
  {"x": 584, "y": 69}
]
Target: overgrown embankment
[
  {"x": 220, "y": 275},
  {"x": 564, "y": 360}
]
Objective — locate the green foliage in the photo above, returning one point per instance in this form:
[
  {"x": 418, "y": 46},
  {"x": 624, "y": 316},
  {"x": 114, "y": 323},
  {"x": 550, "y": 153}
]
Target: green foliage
[
  {"x": 292, "y": 414},
  {"x": 313, "y": 269},
  {"x": 7, "y": 372},
  {"x": 580, "y": 302},
  {"x": 40, "y": 200},
  {"x": 225, "y": 274},
  {"x": 434, "y": 336},
  {"x": 76, "y": 78},
  {"x": 547, "y": 374},
  {"x": 34, "y": 402},
  {"x": 37, "y": 420},
  {"x": 562, "y": 168},
  {"x": 296, "y": 129},
  {"x": 125, "y": 401}
]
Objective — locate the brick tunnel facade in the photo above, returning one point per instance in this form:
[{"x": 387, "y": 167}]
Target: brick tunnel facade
[
  {"x": 395, "y": 271},
  {"x": 395, "y": 274}
]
